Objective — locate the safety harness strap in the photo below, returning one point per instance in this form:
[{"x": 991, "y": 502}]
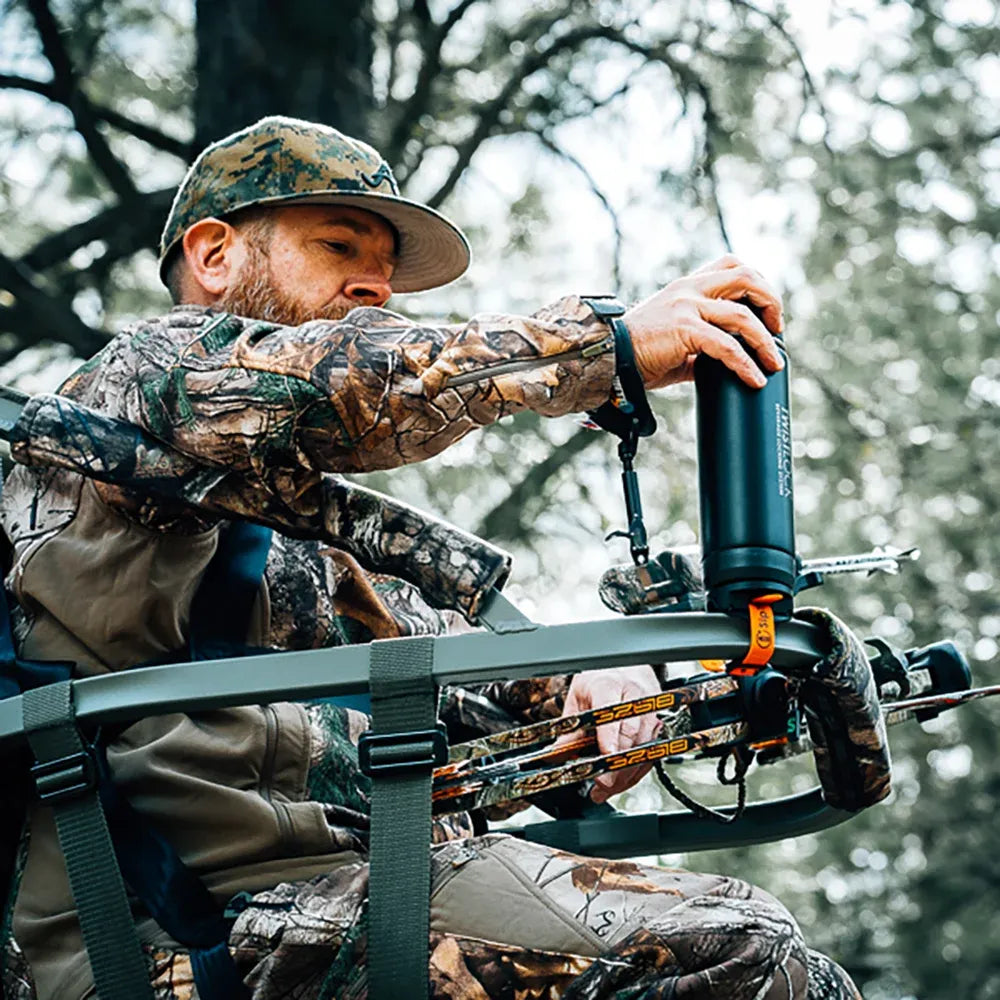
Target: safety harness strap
[
  {"x": 223, "y": 603},
  {"x": 66, "y": 781},
  {"x": 399, "y": 755}
]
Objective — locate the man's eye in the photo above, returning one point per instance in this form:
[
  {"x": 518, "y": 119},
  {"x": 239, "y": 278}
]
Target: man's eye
[{"x": 337, "y": 247}]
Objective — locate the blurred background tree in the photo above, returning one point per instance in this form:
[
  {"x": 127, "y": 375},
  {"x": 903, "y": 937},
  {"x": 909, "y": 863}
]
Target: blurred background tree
[{"x": 849, "y": 148}]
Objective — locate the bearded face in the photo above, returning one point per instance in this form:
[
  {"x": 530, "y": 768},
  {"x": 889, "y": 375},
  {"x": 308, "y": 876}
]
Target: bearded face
[
  {"x": 308, "y": 262},
  {"x": 258, "y": 295}
]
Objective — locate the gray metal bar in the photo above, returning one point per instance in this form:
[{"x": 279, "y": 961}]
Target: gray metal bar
[
  {"x": 633, "y": 835},
  {"x": 616, "y": 642},
  {"x": 502, "y": 616},
  {"x": 477, "y": 657}
]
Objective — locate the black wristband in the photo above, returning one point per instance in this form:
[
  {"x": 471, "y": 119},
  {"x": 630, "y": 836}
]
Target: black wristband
[{"x": 627, "y": 413}]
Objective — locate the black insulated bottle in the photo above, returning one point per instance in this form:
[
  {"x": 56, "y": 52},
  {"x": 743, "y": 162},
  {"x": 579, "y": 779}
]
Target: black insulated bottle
[{"x": 745, "y": 484}]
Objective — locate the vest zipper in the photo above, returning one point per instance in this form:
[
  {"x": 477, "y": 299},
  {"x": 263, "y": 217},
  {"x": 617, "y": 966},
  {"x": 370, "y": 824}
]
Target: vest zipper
[{"x": 527, "y": 364}]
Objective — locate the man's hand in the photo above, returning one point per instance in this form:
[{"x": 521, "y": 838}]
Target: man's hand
[
  {"x": 701, "y": 314},
  {"x": 597, "y": 688}
]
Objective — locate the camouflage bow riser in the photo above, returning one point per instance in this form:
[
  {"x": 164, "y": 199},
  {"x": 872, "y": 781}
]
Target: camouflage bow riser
[{"x": 499, "y": 768}]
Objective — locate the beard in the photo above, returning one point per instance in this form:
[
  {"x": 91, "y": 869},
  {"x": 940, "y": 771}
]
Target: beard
[{"x": 257, "y": 296}]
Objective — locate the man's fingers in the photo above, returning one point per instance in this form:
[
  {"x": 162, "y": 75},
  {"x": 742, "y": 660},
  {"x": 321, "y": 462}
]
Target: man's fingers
[
  {"x": 616, "y": 737},
  {"x": 741, "y": 282},
  {"x": 725, "y": 262},
  {"x": 707, "y": 339},
  {"x": 649, "y": 729},
  {"x": 609, "y": 738},
  {"x": 737, "y": 318},
  {"x": 608, "y": 741},
  {"x": 620, "y": 782},
  {"x": 630, "y": 733},
  {"x": 770, "y": 306},
  {"x": 607, "y": 688}
]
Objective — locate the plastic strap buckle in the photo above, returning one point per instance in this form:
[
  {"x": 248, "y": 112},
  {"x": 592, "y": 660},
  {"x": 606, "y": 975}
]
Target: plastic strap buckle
[
  {"x": 605, "y": 306},
  {"x": 65, "y": 777},
  {"x": 418, "y": 750}
]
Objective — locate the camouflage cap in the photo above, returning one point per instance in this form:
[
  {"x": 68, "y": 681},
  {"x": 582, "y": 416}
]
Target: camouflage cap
[{"x": 288, "y": 161}]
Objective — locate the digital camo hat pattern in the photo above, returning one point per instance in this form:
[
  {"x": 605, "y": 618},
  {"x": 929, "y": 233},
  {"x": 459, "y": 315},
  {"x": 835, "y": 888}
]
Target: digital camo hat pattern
[{"x": 288, "y": 161}]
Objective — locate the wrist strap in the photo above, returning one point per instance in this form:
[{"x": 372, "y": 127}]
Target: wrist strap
[{"x": 627, "y": 413}]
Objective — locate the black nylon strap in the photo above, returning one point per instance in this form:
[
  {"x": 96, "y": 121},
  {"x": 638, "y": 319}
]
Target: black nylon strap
[
  {"x": 400, "y": 755},
  {"x": 630, "y": 416},
  {"x": 66, "y": 781}
]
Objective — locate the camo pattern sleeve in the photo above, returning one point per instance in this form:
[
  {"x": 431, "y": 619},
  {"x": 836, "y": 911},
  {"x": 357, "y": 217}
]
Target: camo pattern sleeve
[
  {"x": 527, "y": 700},
  {"x": 266, "y": 415},
  {"x": 372, "y": 391}
]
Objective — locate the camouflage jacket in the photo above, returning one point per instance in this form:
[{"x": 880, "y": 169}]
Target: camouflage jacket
[{"x": 267, "y": 415}]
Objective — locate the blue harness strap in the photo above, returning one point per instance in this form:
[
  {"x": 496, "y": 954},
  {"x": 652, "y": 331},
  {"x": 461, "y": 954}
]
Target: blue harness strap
[{"x": 223, "y": 603}]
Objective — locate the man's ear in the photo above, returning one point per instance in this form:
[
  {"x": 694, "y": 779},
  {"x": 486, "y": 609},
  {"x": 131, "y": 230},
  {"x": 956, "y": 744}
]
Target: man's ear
[{"x": 213, "y": 255}]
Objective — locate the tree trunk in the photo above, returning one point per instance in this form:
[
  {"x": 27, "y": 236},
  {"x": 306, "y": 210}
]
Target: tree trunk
[{"x": 293, "y": 57}]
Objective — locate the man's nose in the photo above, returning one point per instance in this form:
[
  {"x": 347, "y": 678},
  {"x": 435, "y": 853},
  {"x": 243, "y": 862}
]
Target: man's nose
[{"x": 368, "y": 289}]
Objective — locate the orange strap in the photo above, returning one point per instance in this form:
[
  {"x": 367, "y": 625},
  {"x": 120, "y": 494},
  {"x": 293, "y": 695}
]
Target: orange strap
[
  {"x": 762, "y": 635},
  {"x": 716, "y": 666}
]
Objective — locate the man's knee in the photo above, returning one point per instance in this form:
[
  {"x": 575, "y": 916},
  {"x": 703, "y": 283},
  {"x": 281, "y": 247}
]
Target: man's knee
[
  {"x": 702, "y": 935},
  {"x": 739, "y": 936}
]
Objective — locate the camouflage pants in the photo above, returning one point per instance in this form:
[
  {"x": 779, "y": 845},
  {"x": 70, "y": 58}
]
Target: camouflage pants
[{"x": 516, "y": 920}]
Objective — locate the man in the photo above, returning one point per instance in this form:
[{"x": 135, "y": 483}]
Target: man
[{"x": 278, "y": 369}]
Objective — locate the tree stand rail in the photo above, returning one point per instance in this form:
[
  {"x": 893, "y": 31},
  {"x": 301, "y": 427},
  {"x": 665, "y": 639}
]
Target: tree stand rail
[{"x": 535, "y": 651}]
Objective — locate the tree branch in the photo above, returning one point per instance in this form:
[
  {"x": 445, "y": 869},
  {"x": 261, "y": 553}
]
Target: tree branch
[
  {"x": 10, "y": 82},
  {"x": 130, "y": 230},
  {"x": 147, "y": 133},
  {"x": 392, "y": 39},
  {"x": 708, "y": 162},
  {"x": 809, "y": 88},
  {"x": 12, "y": 320},
  {"x": 491, "y": 110},
  {"x": 506, "y": 519},
  {"x": 43, "y": 317},
  {"x": 430, "y": 68},
  {"x": 70, "y": 94},
  {"x": 563, "y": 154},
  {"x": 688, "y": 79}
]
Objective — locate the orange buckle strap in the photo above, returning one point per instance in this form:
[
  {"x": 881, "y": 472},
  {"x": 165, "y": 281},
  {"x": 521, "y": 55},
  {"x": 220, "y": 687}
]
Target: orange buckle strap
[
  {"x": 762, "y": 635},
  {"x": 716, "y": 666}
]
